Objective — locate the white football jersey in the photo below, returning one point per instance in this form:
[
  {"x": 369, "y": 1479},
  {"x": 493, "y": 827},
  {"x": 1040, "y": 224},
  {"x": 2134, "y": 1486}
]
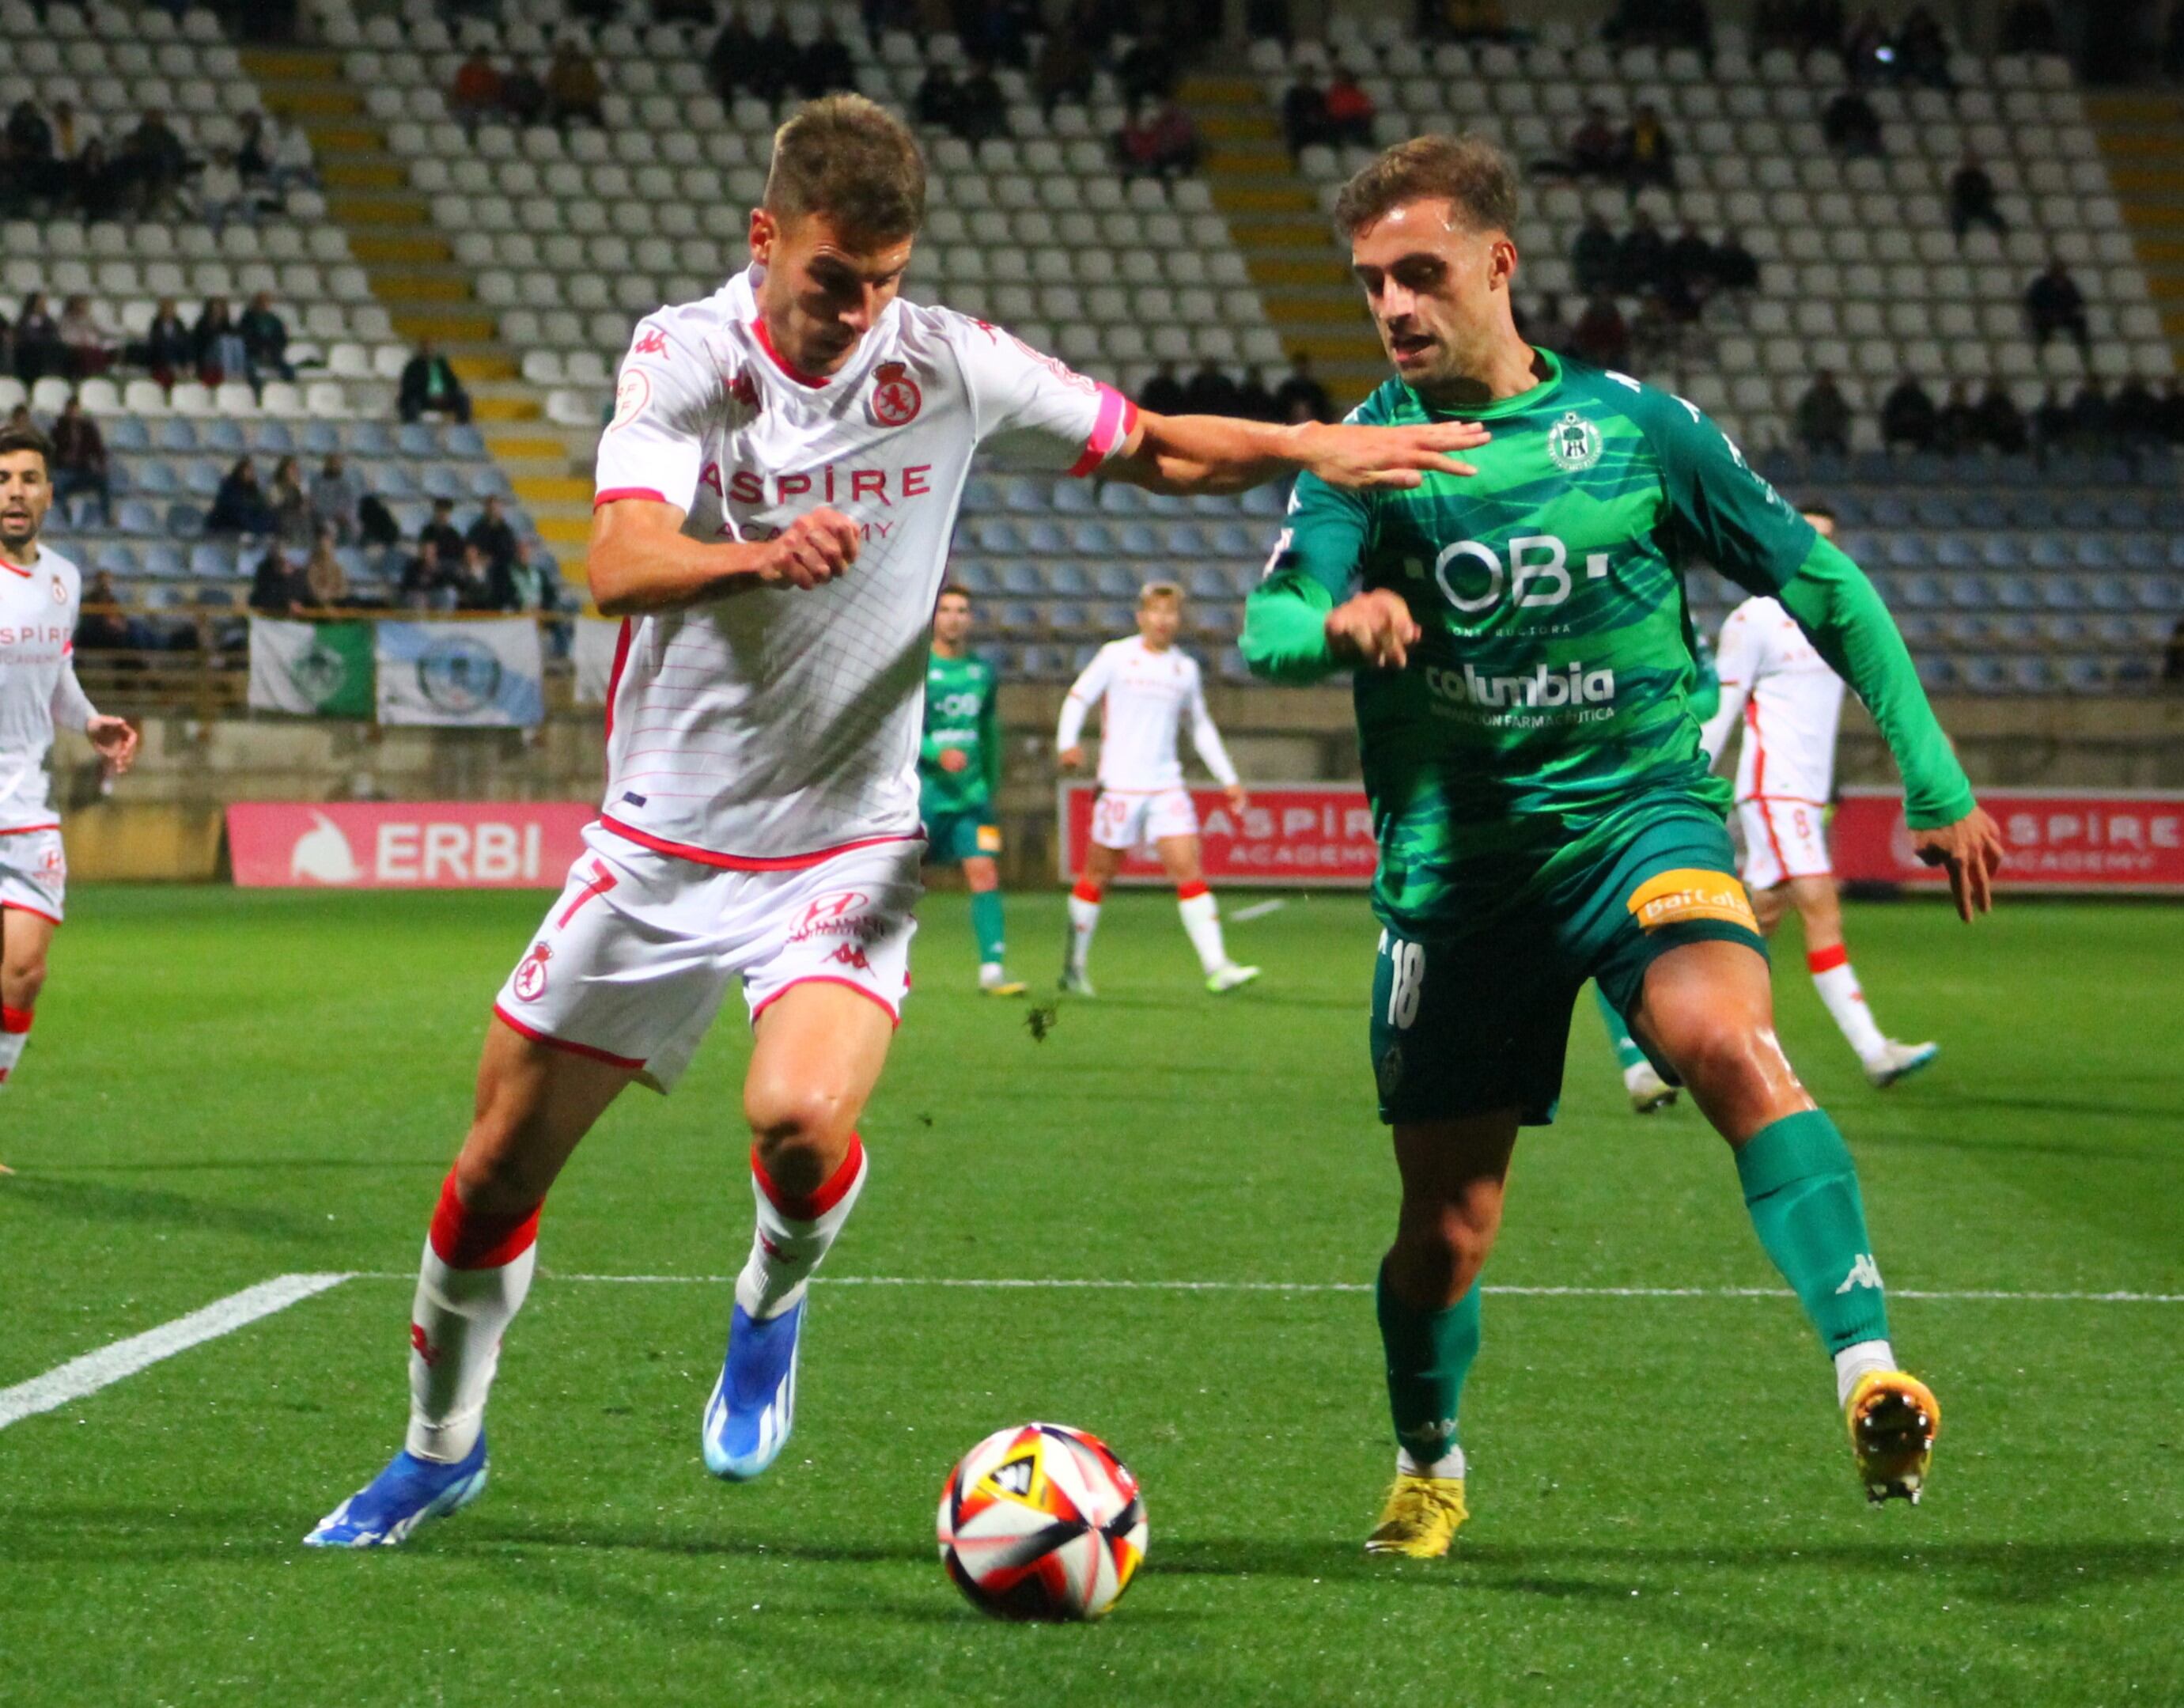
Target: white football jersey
[
  {"x": 1790, "y": 700},
  {"x": 1148, "y": 696},
  {"x": 38, "y": 689},
  {"x": 774, "y": 725}
]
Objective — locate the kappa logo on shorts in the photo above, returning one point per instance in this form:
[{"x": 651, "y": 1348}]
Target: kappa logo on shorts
[
  {"x": 531, "y": 974},
  {"x": 895, "y": 400},
  {"x": 1679, "y": 897},
  {"x": 852, "y": 954},
  {"x": 54, "y": 866}
]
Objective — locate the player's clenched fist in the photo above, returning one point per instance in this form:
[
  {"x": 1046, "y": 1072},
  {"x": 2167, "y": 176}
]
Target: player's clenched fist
[
  {"x": 1375, "y": 628},
  {"x": 812, "y": 550},
  {"x": 1397, "y": 456}
]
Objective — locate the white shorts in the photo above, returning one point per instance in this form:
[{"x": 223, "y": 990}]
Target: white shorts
[
  {"x": 635, "y": 955},
  {"x": 1782, "y": 839},
  {"x": 33, "y": 873},
  {"x": 1132, "y": 819}
]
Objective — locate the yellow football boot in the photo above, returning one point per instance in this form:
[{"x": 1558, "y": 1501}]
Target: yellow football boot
[
  {"x": 1893, "y": 1418},
  {"x": 1421, "y": 1518}
]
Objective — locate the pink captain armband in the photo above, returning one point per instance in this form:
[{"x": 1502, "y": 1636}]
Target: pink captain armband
[{"x": 1117, "y": 418}]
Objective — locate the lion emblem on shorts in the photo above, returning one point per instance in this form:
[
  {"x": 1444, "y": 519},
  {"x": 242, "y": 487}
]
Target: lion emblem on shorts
[{"x": 531, "y": 975}]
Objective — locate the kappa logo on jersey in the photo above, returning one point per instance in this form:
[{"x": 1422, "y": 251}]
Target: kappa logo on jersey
[
  {"x": 530, "y": 976},
  {"x": 1575, "y": 443},
  {"x": 895, "y": 399},
  {"x": 650, "y": 342},
  {"x": 742, "y": 389}
]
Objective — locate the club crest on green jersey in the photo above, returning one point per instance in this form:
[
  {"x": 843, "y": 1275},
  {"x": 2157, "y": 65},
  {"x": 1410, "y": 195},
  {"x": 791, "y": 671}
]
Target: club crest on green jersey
[{"x": 1575, "y": 443}]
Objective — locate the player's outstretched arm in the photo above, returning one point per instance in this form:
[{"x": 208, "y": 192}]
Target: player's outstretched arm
[
  {"x": 1199, "y": 454},
  {"x": 640, "y": 560}
]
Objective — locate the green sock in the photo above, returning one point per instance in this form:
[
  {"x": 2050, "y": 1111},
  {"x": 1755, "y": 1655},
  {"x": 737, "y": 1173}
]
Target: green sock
[
  {"x": 986, "y": 922},
  {"x": 1429, "y": 1353},
  {"x": 1801, "y": 1189},
  {"x": 1628, "y": 1055}
]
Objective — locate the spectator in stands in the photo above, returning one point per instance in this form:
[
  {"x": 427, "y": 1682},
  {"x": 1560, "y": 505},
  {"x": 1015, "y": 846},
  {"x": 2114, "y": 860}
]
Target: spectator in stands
[
  {"x": 1304, "y": 113},
  {"x": 102, "y": 630},
  {"x": 1064, "y": 69},
  {"x": 447, "y": 538},
  {"x": 1162, "y": 393},
  {"x": 1691, "y": 263},
  {"x": 240, "y": 505},
  {"x": 1592, "y": 146},
  {"x": 2050, "y": 424},
  {"x": 218, "y": 345},
  {"x": 324, "y": 581},
  {"x": 1868, "y": 53},
  {"x": 97, "y": 186},
  {"x": 275, "y": 588},
  {"x": 522, "y": 583},
  {"x": 426, "y": 583},
  {"x": 1824, "y": 417},
  {"x": 219, "y": 194},
  {"x": 2001, "y": 423},
  {"x": 825, "y": 66},
  {"x": 1642, "y": 259},
  {"x": 2134, "y": 415},
  {"x": 1908, "y": 416},
  {"x": 1254, "y": 402},
  {"x": 472, "y": 581},
  {"x": 1654, "y": 336},
  {"x": 474, "y": 94},
  {"x": 375, "y": 526},
  {"x": 2092, "y": 418},
  {"x": 1145, "y": 69},
  {"x": 80, "y": 459},
  {"x": 1956, "y": 429},
  {"x": 1300, "y": 397},
  {"x": 292, "y": 161},
  {"x": 1851, "y": 127},
  {"x": 1210, "y": 391},
  {"x": 1736, "y": 268},
  {"x": 1547, "y": 327},
  {"x": 573, "y": 88},
  {"x": 335, "y": 496},
  {"x": 155, "y": 162},
  {"x": 982, "y": 110},
  {"x": 938, "y": 98},
  {"x": 523, "y": 94},
  {"x": 290, "y": 504},
  {"x": 491, "y": 534},
  {"x": 33, "y": 175},
  {"x": 1163, "y": 144},
  {"x": 1645, "y": 153},
  {"x": 91, "y": 343},
  {"x": 1972, "y": 198},
  {"x": 39, "y": 347},
  {"x": 2053, "y": 303},
  {"x": 2172, "y": 410},
  {"x": 773, "y": 62},
  {"x": 729, "y": 59},
  {"x": 254, "y": 149},
  {"x": 1350, "y": 109},
  {"x": 1600, "y": 335},
  {"x": 265, "y": 340},
  {"x": 2172, "y": 657},
  {"x": 994, "y": 30},
  {"x": 1594, "y": 256},
  {"x": 696, "y": 12},
  {"x": 1922, "y": 52},
  {"x": 429, "y": 386},
  {"x": 169, "y": 347},
  {"x": 2029, "y": 27}
]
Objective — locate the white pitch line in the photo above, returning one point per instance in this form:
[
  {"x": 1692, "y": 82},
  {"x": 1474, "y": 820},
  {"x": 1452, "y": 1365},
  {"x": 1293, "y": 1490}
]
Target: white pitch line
[
  {"x": 1258, "y": 910},
  {"x": 1003, "y": 1283},
  {"x": 85, "y": 1376}
]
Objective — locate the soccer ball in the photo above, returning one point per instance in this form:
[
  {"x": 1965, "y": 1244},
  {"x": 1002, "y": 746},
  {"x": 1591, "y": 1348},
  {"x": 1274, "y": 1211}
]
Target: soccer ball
[{"x": 1042, "y": 1521}]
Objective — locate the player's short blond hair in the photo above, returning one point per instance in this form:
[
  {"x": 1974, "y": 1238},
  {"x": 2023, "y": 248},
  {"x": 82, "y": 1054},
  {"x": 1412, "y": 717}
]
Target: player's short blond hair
[
  {"x": 853, "y": 160},
  {"x": 1471, "y": 174},
  {"x": 1159, "y": 592}
]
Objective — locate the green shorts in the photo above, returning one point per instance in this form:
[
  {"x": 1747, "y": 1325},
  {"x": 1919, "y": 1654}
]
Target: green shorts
[
  {"x": 951, "y": 838},
  {"x": 1478, "y": 1020}
]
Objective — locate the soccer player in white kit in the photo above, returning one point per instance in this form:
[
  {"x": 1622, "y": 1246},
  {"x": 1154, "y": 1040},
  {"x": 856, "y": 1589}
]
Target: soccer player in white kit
[
  {"x": 1150, "y": 688},
  {"x": 1789, "y": 704},
  {"x": 40, "y": 593},
  {"x": 776, "y": 492}
]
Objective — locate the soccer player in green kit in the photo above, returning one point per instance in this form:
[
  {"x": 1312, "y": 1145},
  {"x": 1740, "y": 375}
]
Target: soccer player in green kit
[
  {"x": 1523, "y": 651},
  {"x": 959, "y": 773}
]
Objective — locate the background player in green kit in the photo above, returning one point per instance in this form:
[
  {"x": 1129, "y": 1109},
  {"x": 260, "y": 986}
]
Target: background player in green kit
[
  {"x": 1544, "y": 810},
  {"x": 959, "y": 773}
]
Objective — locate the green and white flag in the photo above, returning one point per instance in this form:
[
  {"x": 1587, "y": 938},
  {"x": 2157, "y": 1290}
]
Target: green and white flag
[
  {"x": 315, "y": 669},
  {"x": 486, "y": 673}
]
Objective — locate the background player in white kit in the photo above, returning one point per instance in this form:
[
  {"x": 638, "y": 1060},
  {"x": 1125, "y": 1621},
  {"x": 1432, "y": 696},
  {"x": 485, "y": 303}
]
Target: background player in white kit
[
  {"x": 1150, "y": 687},
  {"x": 40, "y": 592},
  {"x": 1789, "y": 704},
  {"x": 775, "y": 496}
]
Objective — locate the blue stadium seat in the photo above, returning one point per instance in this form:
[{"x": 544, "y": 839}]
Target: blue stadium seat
[
  {"x": 1138, "y": 539},
  {"x": 371, "y": 438},
  {"x": 1117, "y": 580},
  {"x": 321, "y": 438},
  {"x": 980, "y": 496},
  {"x": 1970, "y": 592},
  {"x": 1935, "y": 509},
  {"x": 2080, "y": 513},
  {"x": 2048, "y": 551},
  {"x": 2127, "y": 511},
  {"x": 2016, "y": 592},
  {"x": 202, "y": 475},
  {"x": 996, "y": 536},
  {"x": 1118, "y": 499},
  {"x": 1024, "y": 494},
  {"x": 392, "y": 481},
  {"x": 1919, "y": 630},
  {"x": 1891, "y": 511},
  {"x": 417, "y": 439},
  {"x": 212, "y": 563},
  {"x": 488, "y": 481},
  {"x": 462, "y": 440},
  {"x": 128, "y": 434},
  {"x": 1166, "y": 504},
  {"x": 1070, "y": 579},
  {"x": 1906, "y": 550},
  {"x": 116, "y": 559},
  {"x": 153, "y": 478},
  {"x": 1069, "y": 615},
  {"x": 1936, "y": 674},
  {"x": 1926, "y": 592},
  {"x": 1073, "y": 498},
  {"x": 2085, "y": 675},
  {"x": 2067, "y": 629},
  {"x": 1206, "y": 582},
  {"x": 1018, "y": 616},
  {"x": 1114, "y": 620},
  {"x": 2159, "y": 593},
  {"x": 437, "y": 480},
  {"x": 2145, "y": 551},
  {"x": 176, "y": 432},
  {"x": 1267, "y": 500},
  {"x": 975, "y": 573},
  {"x": 1954, "y": 551},
  {"x": 2001, "y": 550},
  {"x": 1183, "y": 541},
  {"x": 136, "y": 516},
  {"x": 1020, "y": 579},
  {"x": 2031, "y": 675},
  {"x": 1984, "y": 673},
  {"x": 1047, "y": 538},
  {"x": 1091, "y": 539},
  {"x": 185, "y": 520},
  {"x": 271, "y": 436},
  {"x": 2065, "y": 593},
  {"x": 164, "y": 561},
  {"x": 1235, "y": 539},
  {"x": 223, "y": 436}
]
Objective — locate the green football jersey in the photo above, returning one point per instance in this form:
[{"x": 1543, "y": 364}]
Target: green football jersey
[
  {"x": 962, "y": 712},
  {"x": 1548, "y": 705}
]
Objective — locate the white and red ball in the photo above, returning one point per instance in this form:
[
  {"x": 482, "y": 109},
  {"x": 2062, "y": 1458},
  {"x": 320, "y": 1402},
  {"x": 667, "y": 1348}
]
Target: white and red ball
[{"x": 1042, "y": 1521}]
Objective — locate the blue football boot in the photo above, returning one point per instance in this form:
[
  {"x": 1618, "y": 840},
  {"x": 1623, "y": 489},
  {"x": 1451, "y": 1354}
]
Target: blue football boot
[
  {"x": 754, "y": 1403},
  {"x": 402, "y": 1497}
]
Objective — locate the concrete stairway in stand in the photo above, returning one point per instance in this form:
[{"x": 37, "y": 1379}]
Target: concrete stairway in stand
[
  {"x": 2141, "y": 138},
  {"x": 1276, "y": 219},
  {"x": 426, "y": 292}
]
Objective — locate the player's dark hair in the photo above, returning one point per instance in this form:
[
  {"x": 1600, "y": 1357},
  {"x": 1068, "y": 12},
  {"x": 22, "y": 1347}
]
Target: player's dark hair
[
  {"x": 15, "y": 439},
  {"x": 853, "y": 160},
  {"x": 957, "y": 588},
  {"x": 1810, "y": 510},
  {"x": 1471, "y": 174}
]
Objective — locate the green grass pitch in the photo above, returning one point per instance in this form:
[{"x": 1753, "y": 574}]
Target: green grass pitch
[{"x": 228, "y": 1087}]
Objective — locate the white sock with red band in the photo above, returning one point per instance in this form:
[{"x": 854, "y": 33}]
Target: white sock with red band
[
  {"x": 793, "y": 1234},
  {"x": 15, "y": 1032},
  {"x": 476, "y": 1271},
  {"x": 1083, "y": 920},
  {"x": 1838, "y": 986},
  {"x": 1201, "y": 919}
]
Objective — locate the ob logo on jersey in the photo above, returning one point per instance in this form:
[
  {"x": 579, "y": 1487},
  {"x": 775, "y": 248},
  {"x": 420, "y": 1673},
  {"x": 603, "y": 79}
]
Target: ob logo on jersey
[
  {"x": 895, "y": 399},
  {"x": 531, "y": 974}
]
